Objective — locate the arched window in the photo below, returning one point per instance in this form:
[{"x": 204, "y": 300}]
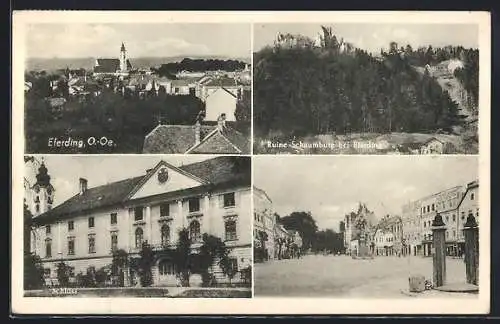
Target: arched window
[
  {"x": 230, "y": 227},
  {"x": 139, "y": 236},
  {"x": 114, "y": 242},
  {"x": 194, "y": 231},
  {"x": 48, "y": 248},
  {"x": 165, "y": 234}
]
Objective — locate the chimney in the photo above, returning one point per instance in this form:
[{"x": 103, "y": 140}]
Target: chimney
[
  {"x": 197, "y": 131},
  {"x": 83, "y": 185},
  {"x": 221, "y": 122}
]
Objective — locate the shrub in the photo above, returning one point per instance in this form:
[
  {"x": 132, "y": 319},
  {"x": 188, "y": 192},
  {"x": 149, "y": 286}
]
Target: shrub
[{"x": 33, "y": 272}]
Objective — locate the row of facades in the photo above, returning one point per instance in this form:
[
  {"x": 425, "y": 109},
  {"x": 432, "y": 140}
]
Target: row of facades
[
  {"x": 411, "y": 233},
  {"x": 269, "y": 235},
  {"x": 454, "y": 205}
]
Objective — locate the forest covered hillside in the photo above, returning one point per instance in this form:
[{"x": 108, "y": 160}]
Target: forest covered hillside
[{"x": 307, "y": 90}]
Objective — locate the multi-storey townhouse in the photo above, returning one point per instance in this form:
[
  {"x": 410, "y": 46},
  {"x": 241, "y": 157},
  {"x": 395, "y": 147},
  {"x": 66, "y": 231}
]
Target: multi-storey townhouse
[{"x": 264, "y": 223}]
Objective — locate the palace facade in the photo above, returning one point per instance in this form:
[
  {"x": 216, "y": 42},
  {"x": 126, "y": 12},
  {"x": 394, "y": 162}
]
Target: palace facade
[{"x": 212, "y": 196}]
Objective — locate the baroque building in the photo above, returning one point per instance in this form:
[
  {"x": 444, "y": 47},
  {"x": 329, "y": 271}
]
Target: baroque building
[
  {"x": 114, "y": 66},
  {"x": 212, "y": 196},
  {"x": 352, "y": 232}
]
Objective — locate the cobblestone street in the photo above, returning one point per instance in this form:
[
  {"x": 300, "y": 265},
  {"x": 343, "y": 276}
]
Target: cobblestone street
[{"x": 342, "y": 276}]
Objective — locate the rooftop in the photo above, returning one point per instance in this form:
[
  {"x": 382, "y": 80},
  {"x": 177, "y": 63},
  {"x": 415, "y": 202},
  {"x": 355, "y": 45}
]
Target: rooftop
[{"x": 215, "y": 171}]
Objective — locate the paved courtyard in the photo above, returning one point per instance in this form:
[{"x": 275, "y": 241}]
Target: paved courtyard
[{"x": 342, "y": 276}]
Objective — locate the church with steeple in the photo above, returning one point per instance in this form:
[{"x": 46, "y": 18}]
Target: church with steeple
[
  {"x": 39, "y": 192},
  {"x": 114, "y": 66}
]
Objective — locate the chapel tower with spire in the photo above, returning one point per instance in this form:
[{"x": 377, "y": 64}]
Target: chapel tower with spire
[
  {"x": 123, "y": 59},
  {"x": 43, "y": 191}
]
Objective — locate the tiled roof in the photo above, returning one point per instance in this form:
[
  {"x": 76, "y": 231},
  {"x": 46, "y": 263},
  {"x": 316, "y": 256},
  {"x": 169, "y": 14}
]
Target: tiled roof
[
  {"x": 229, "y": 141},
  {"x": 179, "y": 139},
  {"x": 222, "y": 82},
  {"x": 216, "y": 144},
  {"x": 180, "y": 83},
  {"x": 216, "y": 171},
  {"x": 222, "y": 169},
  {"x": 105, "y": 195},
  {"x": 106, "y": 65},
  {"x": 173, "y": 139}
]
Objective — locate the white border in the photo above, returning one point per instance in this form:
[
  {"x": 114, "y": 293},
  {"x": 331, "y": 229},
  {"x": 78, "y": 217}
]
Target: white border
[{"x": 22, "y": 305}]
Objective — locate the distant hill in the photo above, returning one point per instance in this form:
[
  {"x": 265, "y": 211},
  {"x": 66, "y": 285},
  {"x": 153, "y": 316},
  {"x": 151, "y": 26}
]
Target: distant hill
[{"x": 53, "y": 64}]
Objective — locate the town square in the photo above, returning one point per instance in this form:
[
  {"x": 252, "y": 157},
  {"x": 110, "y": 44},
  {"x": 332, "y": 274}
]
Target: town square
[{"x": 314, "y": 237}]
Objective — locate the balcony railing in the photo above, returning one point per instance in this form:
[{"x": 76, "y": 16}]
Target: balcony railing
[
  {"x": 162, "y": 246},
  {"x": 197, "y": 213}
]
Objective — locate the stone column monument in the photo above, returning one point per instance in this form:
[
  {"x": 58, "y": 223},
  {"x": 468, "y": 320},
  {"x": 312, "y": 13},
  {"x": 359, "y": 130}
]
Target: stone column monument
[
  {"x": 363, "y": 245},
  {"x": 438, "y": 251},
  {"x": 471, "y": 234}
]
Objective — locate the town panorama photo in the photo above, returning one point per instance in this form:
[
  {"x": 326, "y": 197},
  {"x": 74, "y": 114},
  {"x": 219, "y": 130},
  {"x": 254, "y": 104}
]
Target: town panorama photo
[{"x": 119, "y": 88}]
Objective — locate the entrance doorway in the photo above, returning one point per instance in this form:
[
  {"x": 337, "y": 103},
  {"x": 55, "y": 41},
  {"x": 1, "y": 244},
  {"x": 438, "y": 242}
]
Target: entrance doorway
[{"x": 167, "y": 275}]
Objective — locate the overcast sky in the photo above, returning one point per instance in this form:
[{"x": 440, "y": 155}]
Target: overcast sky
[
  {"x": 141, "y": 40},
  {"x": 65, "y": 171},
  {"x": 373, "y": 36},
  {"x": 332, "y": 186}
]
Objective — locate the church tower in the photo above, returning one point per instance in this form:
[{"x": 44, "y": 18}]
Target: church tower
[
  {"x": 43, "y": 191},
  {"x": 123, "y": 59}
]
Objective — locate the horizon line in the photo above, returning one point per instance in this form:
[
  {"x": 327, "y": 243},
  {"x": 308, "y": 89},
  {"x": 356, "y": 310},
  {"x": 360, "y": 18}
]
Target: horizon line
[{"x": 152, "y": 56}]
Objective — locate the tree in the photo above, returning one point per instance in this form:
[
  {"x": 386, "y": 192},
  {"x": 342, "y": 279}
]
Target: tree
[
  {"x": 182, "y": 256},
  {"x": 119, "y": 264},
  {"x": 33, "y": 272},
  {"x": 63, "y": 88},
  {"x": 145, "y": 263},
  {"x": 302, "y": 222},
  {"x": 212, "y": 250},
  {"x": 331, "y": 91},
  {"x": 243, "y": 110},
  {"x": 227, "y": 266},
  {"x": 328, "y": 240},
  {"x": 63, "y": 273},
  {"x": 28, "y": 223},
  {"x": 101, "y": 276},
  {"x": 89, "y": 278}
]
